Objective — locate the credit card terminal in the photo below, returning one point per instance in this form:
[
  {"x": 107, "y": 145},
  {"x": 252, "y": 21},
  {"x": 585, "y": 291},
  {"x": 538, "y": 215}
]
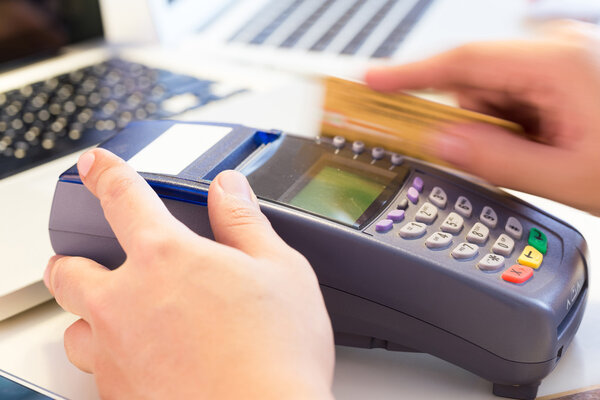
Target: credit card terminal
[{"x": 408, "y": 257}]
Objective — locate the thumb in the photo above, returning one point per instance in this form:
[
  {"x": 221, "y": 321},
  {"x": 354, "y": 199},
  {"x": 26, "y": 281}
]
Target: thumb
[
  {"x": 503, "y": 158},
  {"x": 235, "y": 216}
]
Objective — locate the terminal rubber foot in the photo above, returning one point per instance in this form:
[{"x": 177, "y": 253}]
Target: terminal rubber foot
[{"x": 522, "y": 392}]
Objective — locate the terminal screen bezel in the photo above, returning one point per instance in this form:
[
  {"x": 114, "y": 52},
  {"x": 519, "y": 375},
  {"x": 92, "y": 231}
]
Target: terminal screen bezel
[
  {"x": 296, "y": 163},
  {"x": 377, "y": 176}
]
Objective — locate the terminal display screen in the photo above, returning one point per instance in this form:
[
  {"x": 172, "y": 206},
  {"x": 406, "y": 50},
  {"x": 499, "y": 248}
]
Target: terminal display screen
[
  {"x": 338, "y": 194},
  {"x": 308, "y": 177},
  {"x": 343, "y": 190}
]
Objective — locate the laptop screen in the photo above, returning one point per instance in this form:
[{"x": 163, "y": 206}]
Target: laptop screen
[{"x": 38, "y": 28}]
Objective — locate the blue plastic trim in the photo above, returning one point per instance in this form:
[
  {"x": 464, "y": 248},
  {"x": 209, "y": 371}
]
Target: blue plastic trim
[
  {"x": 264, "y": 137},
  {"x": 184, "y": 194}
]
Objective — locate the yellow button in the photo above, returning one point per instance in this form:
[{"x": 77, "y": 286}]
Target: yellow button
[{"x": 530, "y": 257}]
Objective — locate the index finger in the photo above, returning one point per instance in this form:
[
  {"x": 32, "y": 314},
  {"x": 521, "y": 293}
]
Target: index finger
[
  {"x": 129, "y": 203},
  {"x": 506, "y": 66}
]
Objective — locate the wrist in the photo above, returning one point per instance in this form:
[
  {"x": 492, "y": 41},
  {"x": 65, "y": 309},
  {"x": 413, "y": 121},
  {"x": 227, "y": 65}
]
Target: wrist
[{"x": 265, "y": 386}]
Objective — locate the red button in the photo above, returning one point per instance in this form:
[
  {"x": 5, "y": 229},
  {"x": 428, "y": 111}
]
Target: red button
[{"x": 517, "y": 274}]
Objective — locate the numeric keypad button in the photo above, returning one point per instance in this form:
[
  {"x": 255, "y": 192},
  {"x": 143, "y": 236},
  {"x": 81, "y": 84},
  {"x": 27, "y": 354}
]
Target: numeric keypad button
[
  {"x": 514, "y": 228},
  {"x": 438, "y": 197},
  {"x": 478, "y": 234},
  {"x": 453, "y": 223},
  {"x": 491, "y": 262},
  {"x": 427, "y": 213},
  {"x": 464, "y": 251},
  {"x": 463, "y": 206},
  {"x": 504, "y": 245},
  {"x": 438, "y": 240},
  {"x": 413, "y": 230},
  {"x": 489, "y": 217}
]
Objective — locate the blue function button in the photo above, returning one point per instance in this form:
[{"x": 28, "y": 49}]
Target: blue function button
[
  {"x": 413, "y": 195},
  {"x": 418, "y": 184},
  {"x": 339, "y": 142},
  {"x": 538, "y": 240},
  {"x": 396, "y": 215},
  {"x": 358, "y": 147},
  {"x": 377, "y": 153},
  {"x": 384, "y": 225}
]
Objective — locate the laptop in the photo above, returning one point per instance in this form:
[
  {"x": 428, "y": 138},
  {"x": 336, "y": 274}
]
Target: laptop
[{"x": 343, "y": 37}]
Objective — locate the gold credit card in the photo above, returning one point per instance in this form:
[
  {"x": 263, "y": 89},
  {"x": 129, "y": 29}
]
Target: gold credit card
[{"x": 398, "y": 122}]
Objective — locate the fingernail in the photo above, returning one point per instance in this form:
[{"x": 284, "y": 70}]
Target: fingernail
[
  {"x": 234, "y": 183},
  {"x": 451, "y": 148},
  {"x": 85, "y": 163}
]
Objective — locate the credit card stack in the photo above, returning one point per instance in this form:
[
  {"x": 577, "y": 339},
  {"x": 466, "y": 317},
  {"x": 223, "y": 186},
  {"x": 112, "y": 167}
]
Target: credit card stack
[{"x": 398, "y": 122}]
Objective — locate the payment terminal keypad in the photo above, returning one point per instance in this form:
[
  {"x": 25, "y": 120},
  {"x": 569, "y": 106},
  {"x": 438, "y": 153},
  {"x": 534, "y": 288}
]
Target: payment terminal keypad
[
  {"x": 434, "y": 217},
  {"x": 460, "y": 228}
]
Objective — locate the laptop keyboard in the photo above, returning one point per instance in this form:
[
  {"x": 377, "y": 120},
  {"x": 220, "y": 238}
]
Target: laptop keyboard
[
  {"x": 56, "y": 117},
  {"x": 371, "y": 28}
]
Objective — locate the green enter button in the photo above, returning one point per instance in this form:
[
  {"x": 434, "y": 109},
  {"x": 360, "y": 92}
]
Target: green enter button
[{"x": 538, "y": 240}]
